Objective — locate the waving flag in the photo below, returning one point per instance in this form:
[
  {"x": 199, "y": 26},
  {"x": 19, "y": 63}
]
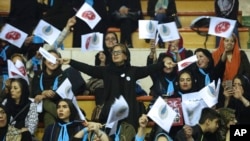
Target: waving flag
[
  {"x": 89, "y": 15},
  {"x": 168, "y": 31},
  {"x": 47, "y": 55},
  {"x": 92, "y": 41},
  {"x": 13, "y": 35},
  {"x": 162, "y": 114},
  {"x": 192, "y": 105},
  {"x": 221, "y": 27},
  {"x": 186, "y": 62},
  {"x": 47, "y": 32},
  {"x": 210, "y": 93},
  {"x": 17, "y": 70},
  {"x": 119, "y": 110},
  {"x": 147, "y": 29}
]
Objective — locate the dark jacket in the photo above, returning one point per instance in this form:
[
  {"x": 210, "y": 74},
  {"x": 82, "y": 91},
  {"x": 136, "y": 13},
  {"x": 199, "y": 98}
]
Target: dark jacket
[
  {"x": 51, "y": 133},
  {"x": 118, "y": 81},
  {"x": 169, "y": 12}
]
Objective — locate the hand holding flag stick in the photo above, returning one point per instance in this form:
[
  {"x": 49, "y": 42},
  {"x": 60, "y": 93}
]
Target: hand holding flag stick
[{"x": 70, "y": 23}]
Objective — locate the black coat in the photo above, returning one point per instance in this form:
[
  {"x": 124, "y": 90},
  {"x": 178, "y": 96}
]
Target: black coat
[{"x": 115, "y": 85}]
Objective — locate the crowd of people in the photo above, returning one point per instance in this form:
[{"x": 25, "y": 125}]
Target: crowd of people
[{"x": 113, "y": 76}]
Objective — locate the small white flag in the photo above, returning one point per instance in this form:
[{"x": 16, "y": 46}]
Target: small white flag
[
  {"x": 88, "y": 14},
  {"x": 74, "y": 101},
  {"x": 210, "y": 93},
  {"x": 186, "y": 62},
  {"x": 168, "y": 31},
  {"x": 147, "y": 29},
  {"x": 47, "y": 32},
  {"x": 13, "y": 35},
  {"x": 162, "y": 114},
  {"x": 47, "y": 55},
  {"x": 65, "y": 89},
  {"x": 119, "y": 110},
  {"x": 92, "y": 41},
  {"x": 17, "y": 70},
  {"x": 221, "y": 27},
  {"x": 192, "y": 105}
]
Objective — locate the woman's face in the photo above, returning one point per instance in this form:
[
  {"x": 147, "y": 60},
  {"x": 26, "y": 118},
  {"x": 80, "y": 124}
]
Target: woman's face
[
  {"x": 102, "y": 57},
  {"x": 237, "y": 85},
  {"x": 50, "y": 66},
  {"x": 110, "y": 40},
  {"x": 15, "y": 90},
  {"x": 167, "y": 70},
  {"x": 118, "y": 55},
  {"x": 202, "y": 60},
  {"x": 185, "y": 81},
  {"x": 3, "y": 118},
  {"x": 174, "y": 45},
  {"x": 229, "y": 43},
  {"x": 63, "y": 111}
]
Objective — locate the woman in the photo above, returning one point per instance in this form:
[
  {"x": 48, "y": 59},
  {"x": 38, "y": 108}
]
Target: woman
[
  {"x": 44, "y": 86},
  {"x": 6, "y": 89},
  {"x": 4, "y": 120},
  {"x": 119, "y": 79},
  {"x": 68, "y": 125},
  {"x": 236, "y": 60},
  {"x": 238, "y": 98},
  {"x": 17, "y": 101},
  {"x": 164, "y": 86},
  {"x": 186, "y": 82},
  {"x": 164, "y": 80},
  {"x": 177, "y": 51},
  {"x": 110, "y": 39},
  {"x": 125, "y": 15},
  {"x": 204, "y": 69},
  {"x": 67, "y": 119}
]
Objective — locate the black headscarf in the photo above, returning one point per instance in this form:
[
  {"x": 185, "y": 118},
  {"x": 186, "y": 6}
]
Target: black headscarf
[
  {"x": 208, "y": 54},
  {"x": 73, "y": 111},
  {"x": 193, "y": 88},
  {"x": 13, "y": 109},
  {"x": 3, "y": 130}
]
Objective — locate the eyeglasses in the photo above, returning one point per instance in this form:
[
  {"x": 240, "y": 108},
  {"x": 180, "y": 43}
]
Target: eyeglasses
[
  {"x": 110, "y": 39},
  {"x": 118, "y": 52}
]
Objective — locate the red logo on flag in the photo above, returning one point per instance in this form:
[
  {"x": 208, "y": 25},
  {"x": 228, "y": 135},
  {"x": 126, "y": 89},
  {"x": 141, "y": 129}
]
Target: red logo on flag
[
  {"x": 185, "y": 64},
  {"x": 88, "y": 15},
  {"x": 222, "y": 27},
  {"x": 87, "y": 42},
  {"x": 21, "y": 69},
  {"x": 13, "y": 35}
]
